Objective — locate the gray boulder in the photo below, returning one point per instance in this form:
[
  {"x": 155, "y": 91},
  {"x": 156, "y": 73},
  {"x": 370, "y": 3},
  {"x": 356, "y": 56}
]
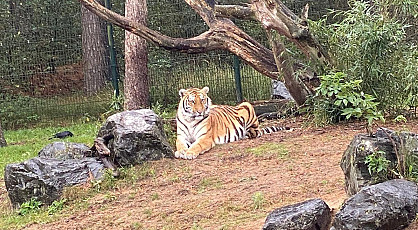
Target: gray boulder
[
  {"x": 309, "y": 215},
  {"x": 45, "y": 178},
  {"x": 64, "y": 150},
  {"x": 356, "y": 171},
  {"x": 134, "y": 137},
  {"x": 389, "y": 205},
  {"x": 279, "y": 90}
]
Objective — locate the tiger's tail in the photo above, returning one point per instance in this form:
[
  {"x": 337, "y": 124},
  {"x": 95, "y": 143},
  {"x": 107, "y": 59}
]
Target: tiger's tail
[{"x": 273, "y": 129}]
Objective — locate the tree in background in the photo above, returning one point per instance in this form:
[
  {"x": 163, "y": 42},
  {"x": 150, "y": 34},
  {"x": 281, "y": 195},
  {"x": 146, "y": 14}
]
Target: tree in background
[
  {"x": 95, "y": 52},
  {"x": 2, "y": 139},
  {"x": 136, "y": 81}
]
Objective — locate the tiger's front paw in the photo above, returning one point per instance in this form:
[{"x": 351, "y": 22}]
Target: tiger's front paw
[{"x": 185, "y": 155}]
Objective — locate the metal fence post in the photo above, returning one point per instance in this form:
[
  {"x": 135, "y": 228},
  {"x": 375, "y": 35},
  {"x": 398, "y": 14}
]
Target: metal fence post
[
  {"x": 237, "y": 75},
  {"x": 113, "y": 65}
]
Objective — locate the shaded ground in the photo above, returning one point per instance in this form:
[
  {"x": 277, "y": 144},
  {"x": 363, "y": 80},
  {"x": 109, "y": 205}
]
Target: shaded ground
[{"x": 216, "y": 191}]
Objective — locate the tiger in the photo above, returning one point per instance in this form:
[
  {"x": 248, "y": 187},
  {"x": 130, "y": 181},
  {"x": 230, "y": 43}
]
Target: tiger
[{"x": 201, "y": 125}]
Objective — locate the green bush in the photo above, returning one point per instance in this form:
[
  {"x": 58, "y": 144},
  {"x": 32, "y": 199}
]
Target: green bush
[
  {"x": 338, "y": 98},
  {"x": 370, "y": 45}
]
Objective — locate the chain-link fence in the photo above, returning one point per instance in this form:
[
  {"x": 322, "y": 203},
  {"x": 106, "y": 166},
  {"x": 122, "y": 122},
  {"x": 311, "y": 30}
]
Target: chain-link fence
[{"x": 43, "y": 80}]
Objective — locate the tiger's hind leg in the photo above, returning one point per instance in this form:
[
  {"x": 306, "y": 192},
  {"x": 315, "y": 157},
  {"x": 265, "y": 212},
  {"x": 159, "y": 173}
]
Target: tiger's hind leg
[{"x": 254, "y": 130}]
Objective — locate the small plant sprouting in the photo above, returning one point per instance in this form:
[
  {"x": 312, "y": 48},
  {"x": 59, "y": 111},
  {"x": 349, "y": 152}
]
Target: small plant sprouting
[
  {"x": 56, "y": 206},
  {"x": 30, "y": 206},
  {"x": 400, "y": 119},
  {"x": 377, "y": 164},
  {"x": 258, "y": 200}
]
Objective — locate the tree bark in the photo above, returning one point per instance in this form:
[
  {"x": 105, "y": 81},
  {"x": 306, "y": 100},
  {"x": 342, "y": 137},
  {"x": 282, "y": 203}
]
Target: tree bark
[
  {"x": 136, "y": 82},
  {"x": 95, "y": 52},
  {"x": 3, "y": 142}
]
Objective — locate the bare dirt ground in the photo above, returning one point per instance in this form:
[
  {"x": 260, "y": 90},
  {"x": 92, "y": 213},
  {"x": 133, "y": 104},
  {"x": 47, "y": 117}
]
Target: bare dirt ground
[{"x": 216, "y": 191}]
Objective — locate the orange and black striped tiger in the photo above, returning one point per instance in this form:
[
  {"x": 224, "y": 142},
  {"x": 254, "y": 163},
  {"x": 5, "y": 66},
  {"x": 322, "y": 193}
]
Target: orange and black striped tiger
[{"x": 201, "y": 125}]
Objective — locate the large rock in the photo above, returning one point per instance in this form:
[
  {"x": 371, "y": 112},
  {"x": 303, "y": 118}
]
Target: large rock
[
  {"x": 45, "y": 178},
  {"x": 137, "y": 136},
  {"x": 356, "y": 171},
  {"x": 389, "y": 205},
  {"x": 64, "y": 150},
  {"x": 309, "y": 215}
]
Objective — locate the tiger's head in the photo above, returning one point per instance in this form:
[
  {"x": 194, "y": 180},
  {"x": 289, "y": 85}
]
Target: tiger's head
[{"x": 195, "y": 103}]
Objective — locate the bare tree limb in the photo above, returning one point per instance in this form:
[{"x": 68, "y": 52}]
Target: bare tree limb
[
  {"x": 234, "y": 11},
  {"x": 273, "y": 14},
  {"x": 223, "y": 34}
]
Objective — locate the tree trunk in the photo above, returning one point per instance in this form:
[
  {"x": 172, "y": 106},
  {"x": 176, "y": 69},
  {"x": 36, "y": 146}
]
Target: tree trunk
[
  {"x": 296, "y": 88},
  {"x": 2, "y": 139},
  {"x": 136, "y": 82},
  {"x": 95, "y": 52}
]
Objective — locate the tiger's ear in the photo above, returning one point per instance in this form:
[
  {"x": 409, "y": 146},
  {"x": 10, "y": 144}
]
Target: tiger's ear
[
  {"x": 181, "y": 92},
  {"x": 205, "y": 89}
]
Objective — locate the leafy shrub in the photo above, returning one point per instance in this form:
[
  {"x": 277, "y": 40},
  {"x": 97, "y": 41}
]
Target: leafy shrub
[
  {"x": 338, "y": 98},
  {"x": 370, "y": 45}
]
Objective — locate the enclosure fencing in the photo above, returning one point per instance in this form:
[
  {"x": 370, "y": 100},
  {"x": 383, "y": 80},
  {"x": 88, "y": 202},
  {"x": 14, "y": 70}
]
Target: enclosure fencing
[{"x": 43, "y": 80}]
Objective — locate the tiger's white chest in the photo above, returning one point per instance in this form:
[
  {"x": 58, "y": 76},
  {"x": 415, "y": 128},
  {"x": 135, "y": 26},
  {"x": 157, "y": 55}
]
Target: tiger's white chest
[{"x": 195, "y": 129}]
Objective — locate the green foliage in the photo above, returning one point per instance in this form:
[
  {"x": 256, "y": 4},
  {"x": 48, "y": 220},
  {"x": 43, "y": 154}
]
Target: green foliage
[
  {"x": 378, "y": 165},
  {"x": 56, "y": 206},
  {"x": 411, "y": 171},
  {"x": 400, "y": 118},
  {"x": 30, "y": 206},
  {"x": 369, "y": 45},
  {"x": 258, "y": 200},
  {"x": 116, "y": 105},
  {"x": 337, "y": 98}
]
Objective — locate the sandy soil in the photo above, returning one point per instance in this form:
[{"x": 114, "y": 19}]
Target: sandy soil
[{"x": 216, "y": 191}]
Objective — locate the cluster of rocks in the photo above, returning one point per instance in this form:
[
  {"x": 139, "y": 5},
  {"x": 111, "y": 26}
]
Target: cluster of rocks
[
  {"x": 131, "y": 137},
  {"x": 373, "y": 205}
]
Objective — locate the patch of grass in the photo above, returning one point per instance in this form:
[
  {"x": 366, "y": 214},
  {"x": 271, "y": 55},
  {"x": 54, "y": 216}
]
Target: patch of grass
[
  {"x": 209, "y": 182},
  {"x": 30, "y": 212},
  {"x": 155, "y": 196},
  {"x": 24, "y": 144},
  {"x": 30, "y": 207},
  {"x": 232, "y": 214},
  {"x": 25, "y": 111},
  {"x": 56, "y": 206},
  {"x": 270, "y": 150},
  {"x": 196, "y": 227},
  {"x": 148, "y": 213},
  {"x": 258, "y": 200},
  {"x": 136, "y": 225}
]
